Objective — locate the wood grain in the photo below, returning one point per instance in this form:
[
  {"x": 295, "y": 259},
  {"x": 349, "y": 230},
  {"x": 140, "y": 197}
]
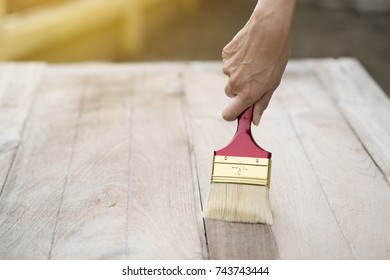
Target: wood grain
[
  {"x": 18, "y": 85},
  {"x": 362, "y": 102},
  {"x": 32, "y": 194},
  {"x": 92, "y": 221},
  {"x": 104, "y": 161},
  {"x": 356, "y": 190},
  {"x": 163, "y": 212},
  {"x": 304, "y": 225}
]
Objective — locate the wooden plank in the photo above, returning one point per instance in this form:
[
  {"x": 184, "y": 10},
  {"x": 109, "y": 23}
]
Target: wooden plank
[
  {"x": 363, "y": 103},
  {"x": 164, "y": 208},
  {"x": 32, "y": 194},
  {"x": 356, "y": 190},
  {"x": 304, "y": 225},
  {"x": 92, "y": 220},
  {"x": 17, "y": 89}
]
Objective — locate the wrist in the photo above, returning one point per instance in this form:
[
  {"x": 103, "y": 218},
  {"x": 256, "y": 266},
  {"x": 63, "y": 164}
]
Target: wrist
[{"x": 279, "y": 13}]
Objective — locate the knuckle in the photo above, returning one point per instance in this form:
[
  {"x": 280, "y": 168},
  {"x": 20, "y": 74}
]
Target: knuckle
[
  {"x": 226, "y": 69},
  {"x": 227, "y": 90},
  {"x": 233, "y": 81},
  {"x": 276, "y": 85},
  {"x": 224, "y": 55},
  {"x": 264, "y": 106},
  {"x": 225, "y": 52}
]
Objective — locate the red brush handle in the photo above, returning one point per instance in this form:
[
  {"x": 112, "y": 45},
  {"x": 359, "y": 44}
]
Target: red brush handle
[
  {"x": 243, "y": 144},
  {"x": 244, "y": 121}
]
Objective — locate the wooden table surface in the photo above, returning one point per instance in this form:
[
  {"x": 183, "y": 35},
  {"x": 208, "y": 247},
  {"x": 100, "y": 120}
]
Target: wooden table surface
[{"x": 113, "y": 161}]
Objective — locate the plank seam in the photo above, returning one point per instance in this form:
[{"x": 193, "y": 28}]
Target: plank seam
[
  {"x": 10, "y": 168},
  {"x": 81, "y": 106},
  {"x": 130, "y": 107},
  {"x": 193, "y": 163},
  {"x": 276, "y": 243}
]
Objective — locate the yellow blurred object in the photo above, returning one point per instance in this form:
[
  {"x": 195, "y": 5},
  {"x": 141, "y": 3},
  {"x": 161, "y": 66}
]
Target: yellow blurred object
[
  {"x": 20, "y": 5},
  {"x": 79, "y": 30},
  {"x": 2, "y": 13}
]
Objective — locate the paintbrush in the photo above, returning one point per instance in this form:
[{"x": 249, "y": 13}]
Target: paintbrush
[{"x": 240, "y": 179}]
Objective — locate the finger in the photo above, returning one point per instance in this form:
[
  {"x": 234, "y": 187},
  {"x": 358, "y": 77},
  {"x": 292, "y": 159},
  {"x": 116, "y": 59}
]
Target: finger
[
  {"x": 257, "y": 113},
  {"x": 260, "y": 106},
  {"x": 234, "y": 109},
  {"x": 229, "y": 91},
  {"x": 225, "y": 54},
  {"x": 226, "y": 51},
  {"x": 226, "y": 70}
]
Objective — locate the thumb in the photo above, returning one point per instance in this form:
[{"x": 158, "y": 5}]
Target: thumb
[
  {"x": 234, "y": 109},
  {"x": 260, "y": 106}
]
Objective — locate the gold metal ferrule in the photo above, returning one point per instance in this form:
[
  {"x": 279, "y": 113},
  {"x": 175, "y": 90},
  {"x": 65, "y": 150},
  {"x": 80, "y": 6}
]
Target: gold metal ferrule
[{"x": 241, "y": 170}]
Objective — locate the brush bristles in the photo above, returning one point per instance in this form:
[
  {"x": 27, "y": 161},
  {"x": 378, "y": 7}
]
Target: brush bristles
[{"x": 239, "y": 203}]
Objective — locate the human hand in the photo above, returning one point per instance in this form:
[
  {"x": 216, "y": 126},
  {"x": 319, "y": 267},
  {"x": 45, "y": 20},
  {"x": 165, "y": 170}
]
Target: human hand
[{"x": 256, "y": 58}]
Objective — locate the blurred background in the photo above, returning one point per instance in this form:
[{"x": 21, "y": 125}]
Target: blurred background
[{"x": 161, "y": 30}]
